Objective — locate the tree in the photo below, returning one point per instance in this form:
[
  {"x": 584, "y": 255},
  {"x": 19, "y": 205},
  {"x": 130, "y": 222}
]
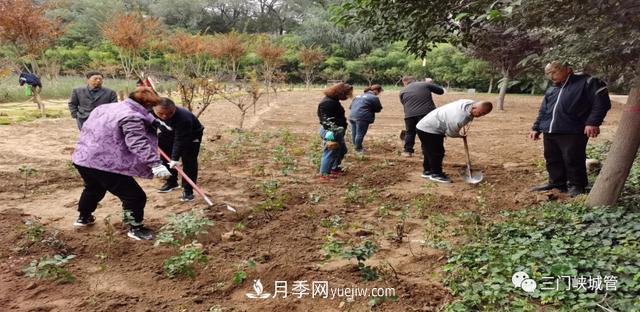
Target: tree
[
  {"x": 249, "y": 94},
  {"x": 28, "y": 43},
  {"x": 185, "y": 57},
  {"x": 504, "y": 48},
  {"x": 271, "y": 56},
  {"x": 309, "y": 59},
  {"x": 230, "y": 48},
  {"x": 131, "y": 33},
  {"x": 424, "y": 24}
]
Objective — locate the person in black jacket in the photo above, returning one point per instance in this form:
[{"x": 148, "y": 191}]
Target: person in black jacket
[
  {"x": 417, "y": 102},
  {"x": 333, "y": 125},
  {"x": 572, "y": 111},
  {"x": 362, "y": 113},
  {"x": 180, "y": 138}
]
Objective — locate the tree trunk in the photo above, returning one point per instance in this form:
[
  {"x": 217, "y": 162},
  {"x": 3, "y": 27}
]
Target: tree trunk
[
  {"x": 503, "y": 89},
  {"x": 611, "y": 180},
  {"x": 490, "y": 85}
]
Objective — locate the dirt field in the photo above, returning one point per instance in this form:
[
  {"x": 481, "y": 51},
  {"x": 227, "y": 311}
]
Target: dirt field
[{"x": 286, "y": 245}]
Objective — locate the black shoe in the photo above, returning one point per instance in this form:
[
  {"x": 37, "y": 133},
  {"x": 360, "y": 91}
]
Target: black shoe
[
  {"x": 548, "y": 187},
  {"x": 186, "y": 197},
  {"x": 85, "y": 221},
  {"x": 440, "y": 177},
  {"x": 168, "y": 187},
  {"x": 141, "y": 233},
  {"x": 426, "y": 174},
  {"x": 576, "y": 190}
]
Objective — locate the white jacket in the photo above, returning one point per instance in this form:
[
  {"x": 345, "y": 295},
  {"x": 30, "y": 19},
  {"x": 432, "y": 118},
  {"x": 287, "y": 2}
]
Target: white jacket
[{"x": 447, "y": 119}]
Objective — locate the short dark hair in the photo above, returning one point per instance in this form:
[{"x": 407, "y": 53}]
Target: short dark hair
[
  {"x": 93, "y": 73},
  {"x": 167, "y": 103},
  {"x": 408, "y": 79}
]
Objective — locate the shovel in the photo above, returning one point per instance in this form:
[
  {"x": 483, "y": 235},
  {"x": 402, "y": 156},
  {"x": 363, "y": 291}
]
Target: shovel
[{"x": 468, "y": 175}]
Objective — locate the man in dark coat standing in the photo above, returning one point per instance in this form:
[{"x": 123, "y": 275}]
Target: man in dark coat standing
[
  {"x": 180, "y": 138},
  {"x": 572, "y": 111},
  {"x": 85, "y": 99},
  {"x": 417, "y": 102}
]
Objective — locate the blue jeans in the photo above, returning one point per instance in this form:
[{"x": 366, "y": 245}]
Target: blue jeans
[
  {"x": 358, "y": 131},
  {"x": 331, "y": 159}
]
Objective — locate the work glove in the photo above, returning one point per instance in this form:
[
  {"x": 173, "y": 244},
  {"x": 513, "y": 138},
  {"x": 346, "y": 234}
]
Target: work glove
[
  {"x": 160, "y": 171},
  {"x": 173, "y": 163},
  {"x": 329, "y": 136}
]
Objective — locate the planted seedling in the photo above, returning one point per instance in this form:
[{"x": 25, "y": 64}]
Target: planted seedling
[{"x": 51, "y": 268}]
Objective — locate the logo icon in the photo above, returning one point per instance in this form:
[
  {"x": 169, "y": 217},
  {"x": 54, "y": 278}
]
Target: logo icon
[
  {"x": 522, "y": 280},
  {"x": 258, "y": 291}
]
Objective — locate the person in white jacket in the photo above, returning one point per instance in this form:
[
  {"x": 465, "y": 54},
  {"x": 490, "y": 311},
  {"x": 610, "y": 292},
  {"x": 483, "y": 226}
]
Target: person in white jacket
[{"x": 446, "y": 120}]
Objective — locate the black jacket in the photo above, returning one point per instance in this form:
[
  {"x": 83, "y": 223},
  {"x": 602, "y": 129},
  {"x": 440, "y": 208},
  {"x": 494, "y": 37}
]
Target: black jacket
[
  {"x": 331, "y": 114},
  {"x": 29, "y": 79},
  {"x": 567, "y": 108},
  {"x": 416, "y": 98},
  {"x": 186, "y": 129}
]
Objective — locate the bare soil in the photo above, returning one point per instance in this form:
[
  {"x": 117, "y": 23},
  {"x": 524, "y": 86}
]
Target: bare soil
[{"x": 287, "y": 244}]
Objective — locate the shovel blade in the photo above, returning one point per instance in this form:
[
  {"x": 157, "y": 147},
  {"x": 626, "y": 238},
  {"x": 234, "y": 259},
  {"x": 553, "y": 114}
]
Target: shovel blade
[{"x": 475, "y": 177}]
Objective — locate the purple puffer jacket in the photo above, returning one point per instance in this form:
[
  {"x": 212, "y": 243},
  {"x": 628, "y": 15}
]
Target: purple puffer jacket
[{"x": 119, "y": 138}]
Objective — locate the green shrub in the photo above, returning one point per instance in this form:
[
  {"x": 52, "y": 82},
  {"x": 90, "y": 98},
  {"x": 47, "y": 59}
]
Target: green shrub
[{"x": 50, "y": 268}]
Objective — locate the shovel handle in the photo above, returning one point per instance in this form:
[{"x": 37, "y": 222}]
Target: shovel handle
[
  {"x": 186, "y": 178},
  {"x": 466, "y": 151}
]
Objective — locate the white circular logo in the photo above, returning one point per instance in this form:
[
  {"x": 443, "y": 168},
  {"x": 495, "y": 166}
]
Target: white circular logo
[
  {"x": 518, "y": 277},
  {"x": 529, "y": 285}
]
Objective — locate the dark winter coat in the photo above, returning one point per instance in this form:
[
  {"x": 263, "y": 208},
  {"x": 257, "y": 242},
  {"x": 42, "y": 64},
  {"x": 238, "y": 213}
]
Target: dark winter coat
[
  {"x": 416, "y": 98},
  {"x": 567, "y": 108},
  {"x": 185, "y": 129},
  {"x": 331, "y": 114}
]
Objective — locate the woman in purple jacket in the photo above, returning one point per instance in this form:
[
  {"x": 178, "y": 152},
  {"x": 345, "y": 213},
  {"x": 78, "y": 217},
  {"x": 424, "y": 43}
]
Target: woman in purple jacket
[{"x": 116, "y": 143}]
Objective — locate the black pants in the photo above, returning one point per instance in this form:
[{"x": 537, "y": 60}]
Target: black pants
[
  {"x": 410, "y": 136},
  {"x": 565, "y": 155},
  {"x": 189, "y": 159},
  {"x": 98, "y": 182},
  {"x": 433, "y": 151}
]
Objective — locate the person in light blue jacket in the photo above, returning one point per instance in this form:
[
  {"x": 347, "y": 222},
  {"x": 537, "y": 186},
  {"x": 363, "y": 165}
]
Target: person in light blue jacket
[{"x": 363, "y": 111}]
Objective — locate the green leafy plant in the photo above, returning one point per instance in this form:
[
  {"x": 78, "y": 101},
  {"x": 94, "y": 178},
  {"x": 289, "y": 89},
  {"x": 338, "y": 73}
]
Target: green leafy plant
[
  {"x": 185, "y": 262},
  {"x": 332, "y": 247},
  {"x": 274, "y": 197},
  {"x": 32, "y": 230},
  {"x": 421, "y": 203},
  {"x": 361, "y": 253},
  {"x": 182, "y": 228},
  {"x": 51, "y": 268},
  {"x": 239, "y": 277},
  {"x": 26, "y": 172},
  {"x": 437, "y": 226},
  {"x": 352, "y": 194},
  {"x": 284, "y": 160},
  {"x": 550, "y": 240}
]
